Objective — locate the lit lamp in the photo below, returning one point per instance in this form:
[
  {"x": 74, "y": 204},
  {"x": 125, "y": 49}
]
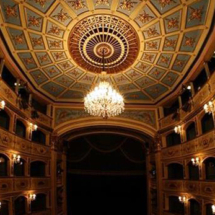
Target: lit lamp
[
  {"x": 213, "y": 209},
  {"x": 182, "y": 199},
  {"x": 0, "y": 205},
  {"x": 17, "y": 159},
  {"x": 209, "y": 107},
  {"x": 33, "y": 127},
  {"x": 178, "y": 129},
  {"x": 189, "y": 87},
  {"x": 195, "y": 161},
  {"x": 32, "y": 197},
  {"x": 2, "y": 105}
]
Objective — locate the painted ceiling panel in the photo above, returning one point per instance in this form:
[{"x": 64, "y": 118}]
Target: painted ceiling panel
[
  {"x": 161, "y": 37},
  {"x": 145, "y": 82},
  {"x": 37, "y": 41},
  {"x": 18, "y": 39},
  {"x": 64, "y": 80},
  {"x": 33, "y": 20},
  {"x": 41, "y": 5},
  {"x": 172, "y": 22},
  {"x": 145, "y": 16},
  {"x": 10, "y": 12},
  {"x": 71, "y": 94},
  {"x": 136, "y": 96},
  {"x": 170, "y": 43},
  {"x": 52, "y": 71},
  {"x": 196, "y": 13},
  {"x": 170, "y": 79},
  {"x": 102, "y": 4},
  {"x": 54, "y": 89},
  {"x": 156, "y": 90},
  {"x": 38, "y": 76},
  {"x": 156, "y": 73},
  {"x": 164, "y": 6},
  {"x": 60, "y": 15},
  {"x": 133, "y": 74}
]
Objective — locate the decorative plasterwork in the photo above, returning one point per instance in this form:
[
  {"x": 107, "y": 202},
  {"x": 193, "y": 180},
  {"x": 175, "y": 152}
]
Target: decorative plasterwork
[
  {"x": 170, "y": 34},
  {"x": 106, "y": 35}
]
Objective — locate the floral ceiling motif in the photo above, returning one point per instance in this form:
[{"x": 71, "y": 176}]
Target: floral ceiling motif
[{"x": 164, "y": 37}]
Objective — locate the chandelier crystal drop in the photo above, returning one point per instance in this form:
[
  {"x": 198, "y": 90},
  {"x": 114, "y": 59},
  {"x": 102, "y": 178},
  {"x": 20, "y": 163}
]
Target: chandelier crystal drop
[{"x": 104, "y": 101}]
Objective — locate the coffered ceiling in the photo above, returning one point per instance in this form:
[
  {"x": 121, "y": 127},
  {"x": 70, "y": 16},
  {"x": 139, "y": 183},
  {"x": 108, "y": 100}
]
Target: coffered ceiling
[{"x": 149, "y": 44}]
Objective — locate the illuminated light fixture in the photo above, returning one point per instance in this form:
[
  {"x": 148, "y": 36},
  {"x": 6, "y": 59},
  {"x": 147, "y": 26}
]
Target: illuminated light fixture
[
  {"x": 32, "y": 197},
  {"x": 189, "y": 87},
  {"x": 195, "y": 161},
  {"x": 182, "y": 199},
  {"x": 2, "y": 105},
  {"x": 33, "y": 127},
  {"x": 0, "y": 205},
  {"x": 213, "y": 209},
  {"x": 17, "y": 159},
  {"x": 178, "y": 129},
  {"x": 209, "y": 107},
  {"x": 104, "y": 101},
  {"x": 17, "y": 84}
]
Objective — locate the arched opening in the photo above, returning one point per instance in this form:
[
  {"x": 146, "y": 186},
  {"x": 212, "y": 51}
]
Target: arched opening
[
  {"x": 4, "y": 208},
  {"x": 4, "y": 120},
  {"x": 210, "y": 168},
  {"x": 39, "y": 137},
  {"x": 8, "y": 78},
  {"x": 20, "y": 129},
  {"x": 38, "y": 169},
  {"x": 19, "y": 168},
  {"x": 175, "y": 171},
  {"x": 209, "y": 210},
  {"x": 195, "y": 207},
  {"x": 3, "y": 165},
  {"x": 106, "y": 165},
  {"x": 39, "y": 204},
  {"x": 193, "y": 171},
  {"x": 175, "y": 206},
  {"x": 191, "y": 131},
  {"x": 173, "y": 139},
  {"x": 207, "y": 123},
  {"x": 20, "y": 206}
]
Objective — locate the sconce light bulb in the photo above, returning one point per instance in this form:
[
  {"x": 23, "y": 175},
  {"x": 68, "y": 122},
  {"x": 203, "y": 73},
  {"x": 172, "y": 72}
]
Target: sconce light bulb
[{"x": 2, "y": 104}]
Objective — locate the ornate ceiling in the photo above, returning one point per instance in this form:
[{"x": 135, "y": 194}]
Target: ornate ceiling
[{"x": 149, "y": 44}]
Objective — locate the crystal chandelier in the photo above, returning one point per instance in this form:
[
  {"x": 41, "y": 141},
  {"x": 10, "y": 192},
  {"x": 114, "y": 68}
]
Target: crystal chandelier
[{"x": 104, "y": 101}]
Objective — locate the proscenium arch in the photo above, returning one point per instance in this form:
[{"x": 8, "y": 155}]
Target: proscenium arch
[{"x": 89, "y": 122}]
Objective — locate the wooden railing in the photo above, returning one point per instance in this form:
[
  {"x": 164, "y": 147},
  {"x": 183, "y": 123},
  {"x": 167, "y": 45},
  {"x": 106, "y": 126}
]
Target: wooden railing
[
  {"x": 14, "y": 142},
  {"x": 197, "y": 101},
  {"x": 9, "y": 185},
  {"x": 10, "y": 96},
  {"x": 197, "y": 145},
  {"x": 200, "y": 188}
]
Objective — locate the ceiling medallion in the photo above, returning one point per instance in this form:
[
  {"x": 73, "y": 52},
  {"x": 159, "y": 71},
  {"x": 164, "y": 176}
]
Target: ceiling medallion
[
  {"x": 104, "y": 101},
  {"x": 96, "y": 33}
]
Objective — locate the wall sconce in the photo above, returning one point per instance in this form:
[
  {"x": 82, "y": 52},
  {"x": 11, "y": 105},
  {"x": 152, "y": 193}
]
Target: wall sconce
[
  {"x": 178, "y": 129},
  {"x": 2, "y": 105},
  {"x": 0, "y": 205},
  {"x": 17, "y": 84},
  {"x": 195, "y": 161},
  {"x": 33, "y": 127},
  {"x": 17, "y": 159},
  {"x": 213, "y": 209},
  {"x": 182, "y": 199},
  {"x": 209, "y": 107},
  {"x": 32, "y": 197},
  {"x": 189, "y": 87}
]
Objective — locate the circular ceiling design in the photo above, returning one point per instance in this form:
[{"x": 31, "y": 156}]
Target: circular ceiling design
[
  {"x": 104, "y": 34},
  {"x": 149, "y": 45}
]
